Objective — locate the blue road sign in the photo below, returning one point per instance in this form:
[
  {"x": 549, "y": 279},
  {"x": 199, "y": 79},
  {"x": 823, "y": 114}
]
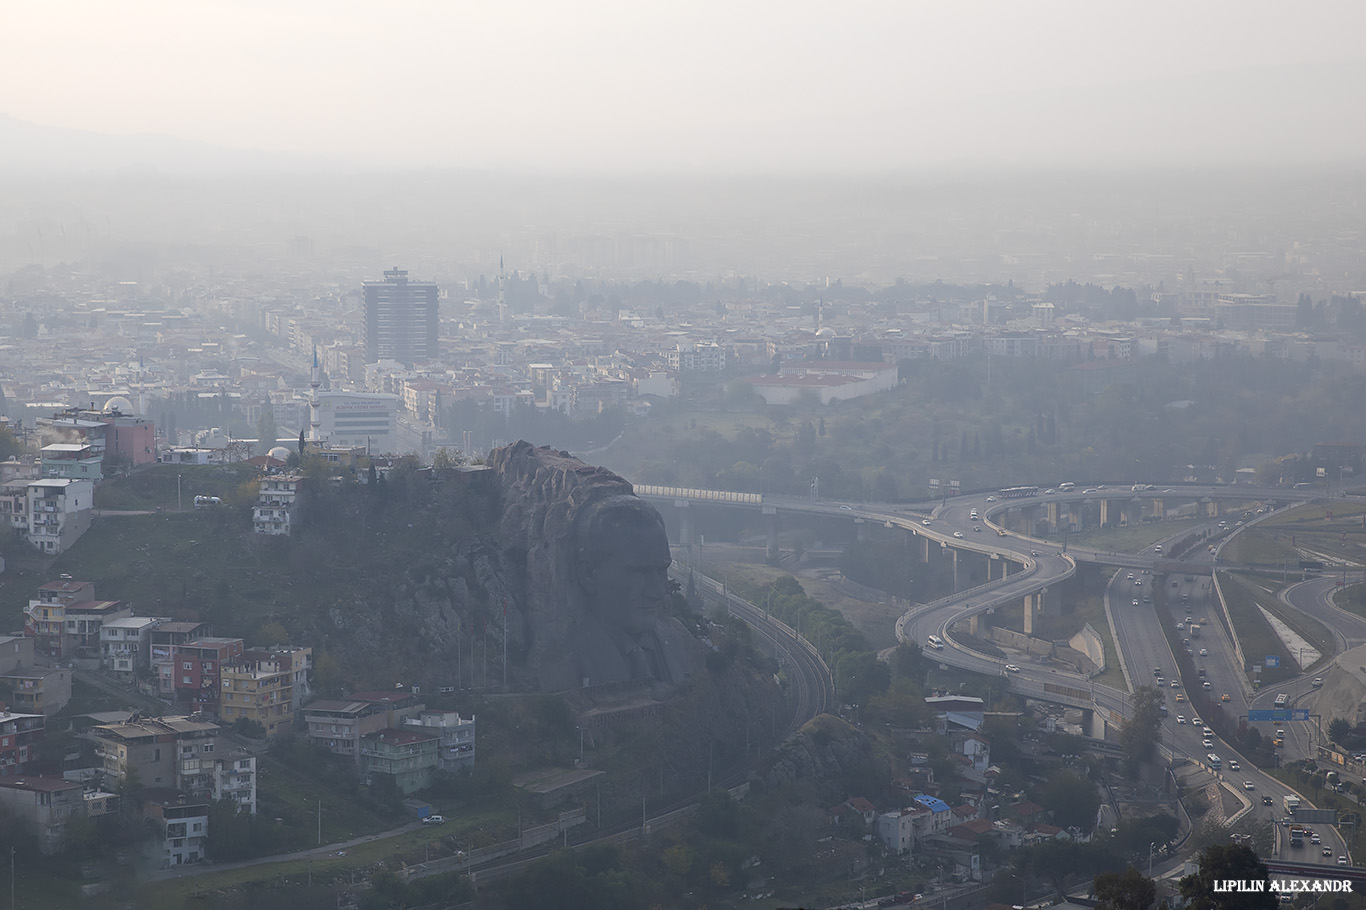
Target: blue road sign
[
  {"x": 1273, "y": 660},
  {"x": 1277, "y": 715}
]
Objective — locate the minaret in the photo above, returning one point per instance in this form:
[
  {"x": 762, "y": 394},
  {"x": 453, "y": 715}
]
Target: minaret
[
  {"x": 502, "y": 298},
  {"x": 314, "y": 418}
]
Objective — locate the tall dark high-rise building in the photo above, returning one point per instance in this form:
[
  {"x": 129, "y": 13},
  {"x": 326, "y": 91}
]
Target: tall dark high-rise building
[{"x": 400, "y": 319}]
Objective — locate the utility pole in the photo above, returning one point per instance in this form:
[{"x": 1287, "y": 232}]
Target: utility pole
[{"x": 320, "y": 823}]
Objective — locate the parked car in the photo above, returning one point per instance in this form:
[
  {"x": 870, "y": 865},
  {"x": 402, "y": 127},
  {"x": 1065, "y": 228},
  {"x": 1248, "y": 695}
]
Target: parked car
[{"x": 434, "y": 820}]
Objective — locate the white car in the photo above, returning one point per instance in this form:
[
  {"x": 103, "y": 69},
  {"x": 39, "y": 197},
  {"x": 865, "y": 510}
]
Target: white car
[
  {"x": 434, "y": 820},
  {"x": 958, "y": 534},
  {"x": 1207, "y": 743},
  {"x": 1247, "y": 785},
  {"x": 1180, "y": 718},
  {"x": 1176, "y": 684},
  {"x": 925, "y": 522},
  {"x": 1204, "y": 652},
  {"x": 1011, "y": 668},
  {"x": 1342, "y": 860},
  {"x": 1135, "y": 601},
  {"x": 1195, "y": 721},
  {"x": 991, "y": 499}
]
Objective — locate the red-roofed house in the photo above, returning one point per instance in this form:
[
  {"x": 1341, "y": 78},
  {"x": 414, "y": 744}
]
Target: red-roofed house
[{"x": 408, "y": 757}]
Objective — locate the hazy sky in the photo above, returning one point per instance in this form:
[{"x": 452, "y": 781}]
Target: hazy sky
[{"x": 702, "y": 85}]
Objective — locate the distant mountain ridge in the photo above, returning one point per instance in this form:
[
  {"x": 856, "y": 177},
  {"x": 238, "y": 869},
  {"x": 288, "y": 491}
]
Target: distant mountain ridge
[{"x": 35, "y": 148}]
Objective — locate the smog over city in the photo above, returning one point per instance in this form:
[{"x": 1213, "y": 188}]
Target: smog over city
[{"x": 492, "y": 455}]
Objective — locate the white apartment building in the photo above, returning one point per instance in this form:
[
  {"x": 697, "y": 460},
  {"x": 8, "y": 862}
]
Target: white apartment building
[
  {"x": 125, "y": 643},
  {"x": 59, "y": 512},
  {"x": 456, "y": 734},
  {"x": 276, "y": 507}
]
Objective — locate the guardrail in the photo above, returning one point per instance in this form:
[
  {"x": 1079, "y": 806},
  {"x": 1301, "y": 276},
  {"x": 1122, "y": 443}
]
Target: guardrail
[{"x": 647, "y": 489}]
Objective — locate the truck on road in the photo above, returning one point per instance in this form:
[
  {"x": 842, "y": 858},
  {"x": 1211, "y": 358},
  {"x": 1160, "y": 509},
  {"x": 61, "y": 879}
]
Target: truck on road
[
  {"x": 1291, "y": 803},
  {"x": 1195, "y": 630}
]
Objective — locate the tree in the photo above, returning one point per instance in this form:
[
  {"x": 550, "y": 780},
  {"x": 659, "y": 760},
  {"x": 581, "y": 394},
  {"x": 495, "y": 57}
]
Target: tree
[
  {"x": 1222, "y": 862},
  {"x": 301, "y": 445},
  {"x": 1339, "y": 729},
  {"x": 1139, "y": 735},
  {"x": 266, "y": 431},
  {"x": 1129, "y": 890},
  {"x": 1072, "y": 799}
]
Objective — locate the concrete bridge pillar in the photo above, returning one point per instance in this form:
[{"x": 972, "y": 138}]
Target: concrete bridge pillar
[
  {"x": 1104, "y": 512},
  {"x": 771, "y": 529},
  {"x": 1133, "y": 512},
  {"x": 1159, "y": 509},
  {"x": 861, "y": 529},
  {"x": 1093, "y": 723},
  {"x": 1028, "y": 518},
  {"x": 685, "y": 535},
  {"x": 1052, "y": 508},
  {"x": 953, "y": 552},
  {"x": 1211, "y": 508},
  {"x": 972, "y": 625},
  {"x": 924, "y": 549}
]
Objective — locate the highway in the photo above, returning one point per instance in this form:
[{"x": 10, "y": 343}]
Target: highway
[{"x": 1038, "y": 564}]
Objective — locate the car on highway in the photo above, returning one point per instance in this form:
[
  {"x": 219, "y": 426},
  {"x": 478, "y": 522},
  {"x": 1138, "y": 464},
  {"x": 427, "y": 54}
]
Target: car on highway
[
  {"x": 1157, "y": 671},
  {"x": 847, "y": 508},
  {"x": 1138, "y": 582},
  {"x": 1278, "y": 743},
  {"x": 958, "y": 534},
  {"x": 1342, "y": 860},
  {"x": 1204, "y": 652},
  {"x": 1327, "y": 851},
  {"x": 1185, "y": 641},
  {"x": 1247, "y": 785},
  {"x": 1317, "y": 683},
  {"x": 1207, "y": 743},
  {"x": 991, "y": 499},
  {"x": 1224, "y": 696},
  {"x": 1268, "y": 801},
  {"x": 1234, "y": 766},
  {"x": 1207, "y": 731},
  {"x": 1315, "y": 839},
  {"x": 1011, "y": 668},
  {"x": 1135, "y": 602},
  {"x": 1206, "y": 685},
  {"x": 925, "y": 521},
  {"x": 1195, "y": 722},
  {"x": 1033, "y": 552},
  {"x": 1000, "y": 532},
  {"x": 1180, "y": 697},
  {"x": 1131, "y": 576},
  {"x": 1180, "y": 626},
  {"x": 977, "y": 527},
  {"x": 1180, "y": 718}
]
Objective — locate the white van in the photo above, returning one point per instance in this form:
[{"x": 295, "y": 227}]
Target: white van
[{"x": 934, "y": 641}]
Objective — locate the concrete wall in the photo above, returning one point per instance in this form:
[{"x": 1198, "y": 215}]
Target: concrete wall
[
  {"x": 1022, "y": 642},
  {"x": 1088, "y": 642}
]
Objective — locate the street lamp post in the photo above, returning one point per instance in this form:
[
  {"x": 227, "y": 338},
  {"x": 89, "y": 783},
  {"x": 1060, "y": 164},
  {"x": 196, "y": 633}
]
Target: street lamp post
[{"x": 1150, "y": 860}]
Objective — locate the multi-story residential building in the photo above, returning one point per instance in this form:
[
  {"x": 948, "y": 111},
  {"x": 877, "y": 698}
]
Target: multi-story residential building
[
  {"x": 276, "y": 507},
  {"x": 196, "y": 671},
  {"x": 126, "y": 644},
  {"x": 14, "y": 504},
  {"x": 47, "y": 804},
  {"x": 167, "y": 752},
  {"x": 133, "y": 439},
  {"x": 58, "y": 512},
  {"x": 183, "y": 826},
  {"x": 162, "y": 639},
  {"x": 83, "y": 621},
  {"x": 15, "y": 651},
  {"x": 36, "y": 690},
  {"x": 72, "y": 460},
  {"x": 338, "y": 725},
  {"x": 19, "y": 737},
  {"x": 45, "y": 616},
  {"x": 409, "y": 758},
  {"x": 400, "y": 319},
  {"x": 260, "y": 689},
  {"x": 234, "y": 778},
  {"x": 456, "y": 735}
]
